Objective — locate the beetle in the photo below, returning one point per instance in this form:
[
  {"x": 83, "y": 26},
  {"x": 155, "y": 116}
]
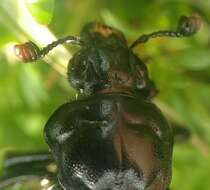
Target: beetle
[{"x": 112, "y": 137}]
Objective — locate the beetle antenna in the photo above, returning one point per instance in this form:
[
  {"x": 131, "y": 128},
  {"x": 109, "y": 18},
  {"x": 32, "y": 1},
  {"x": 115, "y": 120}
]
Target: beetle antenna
[
  {"x": 187, "y": 26},
  {"x": 29, "y": 51}
]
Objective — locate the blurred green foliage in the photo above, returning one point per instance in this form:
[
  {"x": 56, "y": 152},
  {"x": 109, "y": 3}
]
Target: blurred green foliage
[{"x": 180, "y": 68}]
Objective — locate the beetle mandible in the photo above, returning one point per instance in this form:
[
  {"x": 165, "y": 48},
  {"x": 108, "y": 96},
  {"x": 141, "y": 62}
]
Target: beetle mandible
[{"x": 113, "y": 137}]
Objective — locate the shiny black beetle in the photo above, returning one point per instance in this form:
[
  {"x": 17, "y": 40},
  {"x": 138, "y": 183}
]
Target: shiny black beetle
[{"x": 113, "y": 137}]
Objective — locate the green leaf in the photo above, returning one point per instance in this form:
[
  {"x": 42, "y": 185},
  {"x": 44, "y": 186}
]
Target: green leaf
[
  {"x": 6, "y": 36},
  {"x": 188, "y": 158},
  {"x": 41, "y": 10},
  {"x": 31, "y": 86},
  {"x": 192, "y": 58}
]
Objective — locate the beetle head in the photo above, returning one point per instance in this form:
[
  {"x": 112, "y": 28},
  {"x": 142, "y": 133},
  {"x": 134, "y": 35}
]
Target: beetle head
[{"x": 105, "y": 62}]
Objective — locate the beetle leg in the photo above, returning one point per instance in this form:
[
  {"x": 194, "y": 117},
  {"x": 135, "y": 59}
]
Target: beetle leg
[
  {"x": 18, "y": 158},
  {"x": 25, "y": 167},
  {"x": 181, "y": 133},
  {"x": 187, "y": 26},
  {"x": 10, "y": 178}
]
